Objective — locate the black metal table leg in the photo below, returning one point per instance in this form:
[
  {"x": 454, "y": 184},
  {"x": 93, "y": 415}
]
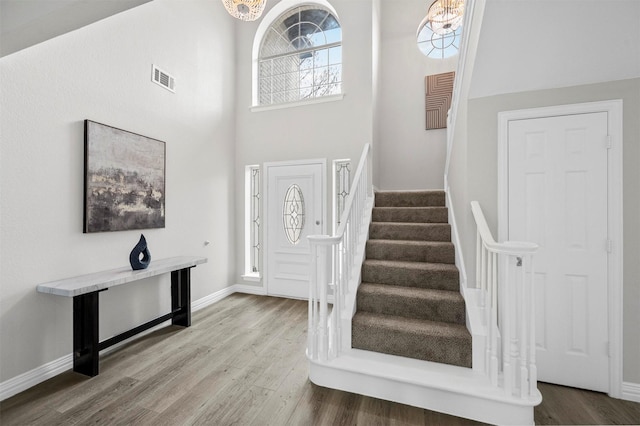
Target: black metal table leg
[
  {"x": 85, "y": 334},
  {"x": 181, "y": 297}
]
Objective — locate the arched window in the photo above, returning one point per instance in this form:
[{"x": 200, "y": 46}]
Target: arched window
[
  {"x": 300, "y": 56},
  {"x": 438, "y": 46}
]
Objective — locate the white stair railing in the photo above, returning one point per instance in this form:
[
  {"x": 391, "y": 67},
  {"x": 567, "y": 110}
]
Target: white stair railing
[
  {"x": 505, "y": 278},
  {"x": 335, "y": 265}
]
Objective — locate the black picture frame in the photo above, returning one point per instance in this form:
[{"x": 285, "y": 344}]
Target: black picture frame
[{"x": 124, "y": 180}]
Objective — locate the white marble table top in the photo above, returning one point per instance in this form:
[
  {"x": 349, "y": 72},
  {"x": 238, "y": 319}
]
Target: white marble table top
[{"x": 82, "y": 284}]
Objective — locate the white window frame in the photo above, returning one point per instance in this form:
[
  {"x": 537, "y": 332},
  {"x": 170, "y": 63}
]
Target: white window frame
[
  {"x": 341, "y": 171},
  {"x": 252, "y": 212},
  {"x": 263, "y": 27}
]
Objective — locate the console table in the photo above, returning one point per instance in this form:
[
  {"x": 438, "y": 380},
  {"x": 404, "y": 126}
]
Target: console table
[{"x": 85, "y": 289}]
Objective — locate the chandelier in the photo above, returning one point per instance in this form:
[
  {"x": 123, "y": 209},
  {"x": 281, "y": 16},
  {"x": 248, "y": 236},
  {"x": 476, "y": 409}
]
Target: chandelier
[
  {"x": 245, "y": 10},
  {"x": 445, "y": 16}
]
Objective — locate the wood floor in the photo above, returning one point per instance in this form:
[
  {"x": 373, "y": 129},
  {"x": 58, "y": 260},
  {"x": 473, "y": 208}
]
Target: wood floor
[{"x": 242, "y": 362}]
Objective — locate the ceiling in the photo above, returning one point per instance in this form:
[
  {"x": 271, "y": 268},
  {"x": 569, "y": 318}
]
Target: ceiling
[{"x": 24, "y": 23}]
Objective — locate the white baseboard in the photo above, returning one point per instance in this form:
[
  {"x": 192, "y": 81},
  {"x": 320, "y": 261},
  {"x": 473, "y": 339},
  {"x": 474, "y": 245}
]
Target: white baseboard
[
  {"x": 37, "y": 375},
  {"x": 51, "y": 369},
  {"x": 249, "y": 289},
  {"x": 211, "y": 299},
  {"x": 631, "y": 391}
]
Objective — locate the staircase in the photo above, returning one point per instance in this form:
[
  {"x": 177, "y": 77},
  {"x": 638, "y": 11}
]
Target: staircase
[
  {"x": 409, "y": 302},
  {"x": 389, "y": 313}
]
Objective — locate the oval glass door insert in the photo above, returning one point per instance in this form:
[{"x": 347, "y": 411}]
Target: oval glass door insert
[{"x": 293, "y": 214}]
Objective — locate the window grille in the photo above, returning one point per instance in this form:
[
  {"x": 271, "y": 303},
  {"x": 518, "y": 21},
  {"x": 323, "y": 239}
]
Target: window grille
[
  {"x": 438, "y": 46},
  {"x": 300, "y": 57},
  {"x": 253, "y": 223},
  {"x": 293, "y": 214},
  {"x": 341, "y": 187}
]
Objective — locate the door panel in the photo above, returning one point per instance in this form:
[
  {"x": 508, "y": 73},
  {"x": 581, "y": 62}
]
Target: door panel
[
  {"x": 558, "y": 199},
  {"x": 294, "y": 211}
]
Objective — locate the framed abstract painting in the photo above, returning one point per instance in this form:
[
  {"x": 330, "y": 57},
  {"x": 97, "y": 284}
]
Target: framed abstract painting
[{"x": 124, "y": 180}]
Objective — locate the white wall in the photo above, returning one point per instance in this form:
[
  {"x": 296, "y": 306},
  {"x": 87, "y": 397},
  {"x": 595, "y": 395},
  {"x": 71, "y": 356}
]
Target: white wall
[
  {"x": 329, "y": 130},
  {"x": 410, "y": 156},
  {"x": 542, "y": 44},
  {"x": 102, "y": 72},
  {"x": 376, "y": 48}
]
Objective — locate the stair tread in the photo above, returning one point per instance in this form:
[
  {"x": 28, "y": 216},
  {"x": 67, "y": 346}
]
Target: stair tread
[
  {"x": 417, "y": 326},
  {"x": 424, "y": 214},
  {"x": 412, "y": 292},
  {"x": 415, "y": 231},
  {"x": 412, "y": 265},
  {"x": 420, "y": 198},
  {"x": 410, "y": 208},
  {"x": 410, "y": 191},
  {"x": 414, "y": 224},
  {"x": 411, "y": 302},
  {"x": 411, "y": 242}
]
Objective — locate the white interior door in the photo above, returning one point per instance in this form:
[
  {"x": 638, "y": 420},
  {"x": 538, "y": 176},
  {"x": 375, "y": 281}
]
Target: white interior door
[
  {"x": 558, "y": 199},
  {"x": 295, "y": 210}
]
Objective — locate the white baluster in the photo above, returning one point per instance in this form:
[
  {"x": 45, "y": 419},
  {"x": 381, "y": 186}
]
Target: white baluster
[
  {"x": 506, "y": 331},
  {"x": 337, "y": 303},
  {"x": 494, "y": 318},
  {"x": 533, "y": 371},
  {"x": 487, "y": 309},
  {"x": 478, "y": 261},
  {"x": 483, "y": 291},
  {"x": 312, "y": 338},
  {"x": 524, "y": 314},
  {"x": 322, "y": 280}
]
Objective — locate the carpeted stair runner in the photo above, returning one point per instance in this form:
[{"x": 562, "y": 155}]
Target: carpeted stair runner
[{"x": 409, "y": 302}]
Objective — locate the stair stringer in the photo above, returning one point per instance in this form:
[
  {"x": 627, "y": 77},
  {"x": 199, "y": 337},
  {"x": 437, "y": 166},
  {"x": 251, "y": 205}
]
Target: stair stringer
[
  {"x": 476, "y": 326},
  {"x": 472, "y": 297},
  {"x": 444, "y": 388}
]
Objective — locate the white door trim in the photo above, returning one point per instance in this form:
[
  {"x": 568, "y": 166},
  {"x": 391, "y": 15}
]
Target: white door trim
[
  {"x": 265, "y": 210},
  {"x": 614, "y": 211}
]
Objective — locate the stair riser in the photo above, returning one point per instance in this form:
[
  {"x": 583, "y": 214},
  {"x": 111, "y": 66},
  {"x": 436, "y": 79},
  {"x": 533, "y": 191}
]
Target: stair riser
[
  {"x": 390, "y": 231},
  {"x": 432, "y": 310},
  {"x": 445, "y": 350},
  {"x": 421, "y": 215},
  {"x": 439, "y": 280},
  {"x": 440, "y": 253},
  {"x": 410, "y": 199}
]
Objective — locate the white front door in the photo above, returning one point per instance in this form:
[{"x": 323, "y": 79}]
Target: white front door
[
  {"x": 295, "y": 210},
  {"x": 558, "y": 199}
]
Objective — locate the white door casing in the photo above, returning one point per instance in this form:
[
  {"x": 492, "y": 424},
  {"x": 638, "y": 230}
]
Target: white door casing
[
  {"x": 287, "y": 254},
  {"x": 560, "y": 186}
]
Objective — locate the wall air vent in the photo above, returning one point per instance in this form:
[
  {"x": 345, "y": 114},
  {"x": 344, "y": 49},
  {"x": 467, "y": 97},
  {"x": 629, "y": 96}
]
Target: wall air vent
[{"x": 163, "y": 79}]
